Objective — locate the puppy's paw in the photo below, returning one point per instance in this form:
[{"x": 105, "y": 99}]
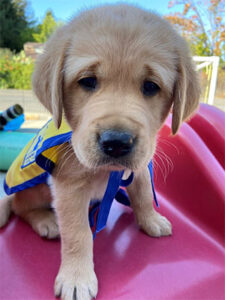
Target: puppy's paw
[
  {"x": 156, "y": 225},
  {"x": 44, "y": 223},
  {"x": 80, "y": 285}
]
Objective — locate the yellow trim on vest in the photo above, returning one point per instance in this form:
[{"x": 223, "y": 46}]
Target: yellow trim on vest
[{"x": 37, "y": 158}]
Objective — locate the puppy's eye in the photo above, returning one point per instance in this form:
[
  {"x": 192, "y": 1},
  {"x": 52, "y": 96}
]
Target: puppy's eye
[
  {"x": 88, "y": 83},
  {"x": 150, "y": 88}
]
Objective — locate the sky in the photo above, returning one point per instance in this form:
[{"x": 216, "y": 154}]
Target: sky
[{"x": 65, "y": 9}]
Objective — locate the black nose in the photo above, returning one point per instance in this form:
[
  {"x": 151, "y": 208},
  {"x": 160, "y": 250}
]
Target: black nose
[{"x": 116, "y": 143}]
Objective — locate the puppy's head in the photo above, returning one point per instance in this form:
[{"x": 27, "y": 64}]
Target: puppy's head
[{"x": 116, "y": 71}]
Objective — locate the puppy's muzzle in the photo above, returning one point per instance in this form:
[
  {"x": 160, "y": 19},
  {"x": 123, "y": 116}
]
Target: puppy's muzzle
[{"x": 115, "y": 143}]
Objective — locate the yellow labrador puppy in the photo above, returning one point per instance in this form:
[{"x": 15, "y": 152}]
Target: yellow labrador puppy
[{"x": 115, "y": 72}]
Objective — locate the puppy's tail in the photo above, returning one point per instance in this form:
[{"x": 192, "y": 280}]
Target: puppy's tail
[{"x": 5, "y": 209}]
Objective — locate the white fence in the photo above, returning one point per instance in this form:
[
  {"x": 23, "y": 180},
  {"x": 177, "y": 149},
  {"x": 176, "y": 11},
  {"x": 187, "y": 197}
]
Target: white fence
[{"x": 203, "y": 62}]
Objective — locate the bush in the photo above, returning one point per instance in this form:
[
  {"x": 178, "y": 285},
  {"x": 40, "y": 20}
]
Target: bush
[{"x": 15, "y": 70}]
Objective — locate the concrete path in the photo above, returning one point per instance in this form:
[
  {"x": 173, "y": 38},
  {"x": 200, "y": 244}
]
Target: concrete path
[{"x": 36, "y": 114}]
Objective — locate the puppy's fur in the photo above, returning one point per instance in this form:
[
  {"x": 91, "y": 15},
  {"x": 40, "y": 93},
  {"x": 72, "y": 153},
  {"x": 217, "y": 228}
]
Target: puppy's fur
[{"x": 122, "y": 46}]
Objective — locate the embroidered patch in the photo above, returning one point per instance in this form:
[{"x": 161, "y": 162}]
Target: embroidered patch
[{"x": 29, "y": 157}]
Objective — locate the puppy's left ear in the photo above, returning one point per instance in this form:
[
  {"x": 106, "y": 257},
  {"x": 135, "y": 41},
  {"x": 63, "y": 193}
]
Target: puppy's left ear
[{"x": 186, "y": 91}]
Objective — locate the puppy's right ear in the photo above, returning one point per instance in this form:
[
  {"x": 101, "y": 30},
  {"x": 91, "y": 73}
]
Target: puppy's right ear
[
  {"x": 48, "y": 75},
  {"x": 187, "y": 91}
]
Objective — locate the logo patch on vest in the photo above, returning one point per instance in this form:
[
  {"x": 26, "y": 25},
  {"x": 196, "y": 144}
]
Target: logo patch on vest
[{"x": 30, "y": 156}]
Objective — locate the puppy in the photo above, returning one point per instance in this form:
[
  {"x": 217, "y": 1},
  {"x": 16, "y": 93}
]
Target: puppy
[{"x": 114, "y": 72}]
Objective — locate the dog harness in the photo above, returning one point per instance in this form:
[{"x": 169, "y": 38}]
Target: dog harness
[{"x": 37, "y": 160}]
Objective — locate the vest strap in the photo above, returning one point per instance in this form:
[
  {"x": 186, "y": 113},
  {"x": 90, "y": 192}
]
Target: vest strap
[{"x": 113, "y": 191}]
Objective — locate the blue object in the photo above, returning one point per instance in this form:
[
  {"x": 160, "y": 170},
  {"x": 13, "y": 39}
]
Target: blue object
[
  {"x": 14, "y": 124},
  {"x": 12, "y": 143}
]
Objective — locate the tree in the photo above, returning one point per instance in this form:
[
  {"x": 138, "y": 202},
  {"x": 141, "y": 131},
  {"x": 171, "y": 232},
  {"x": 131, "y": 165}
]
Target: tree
[
  {"x": 202, "y": 24},
  {"x": 45, "y": 29},
  {"x": 15, "y": 28}
]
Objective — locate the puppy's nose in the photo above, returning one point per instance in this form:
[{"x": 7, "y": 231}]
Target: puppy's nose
[{"x": 116, "y": 143}]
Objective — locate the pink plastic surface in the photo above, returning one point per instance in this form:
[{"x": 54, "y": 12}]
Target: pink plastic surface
[{"x": 190, "y": 264}]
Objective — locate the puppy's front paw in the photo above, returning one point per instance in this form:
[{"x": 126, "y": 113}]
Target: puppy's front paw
[
  {"x": 156, "y": 225},
  {"x": 78, "y": 285}
]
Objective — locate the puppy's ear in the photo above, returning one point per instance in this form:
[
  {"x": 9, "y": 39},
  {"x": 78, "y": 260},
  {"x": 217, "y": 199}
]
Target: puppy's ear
[
  {"x": 48, "y": 76},
  {"x": 186, "y": 91}
]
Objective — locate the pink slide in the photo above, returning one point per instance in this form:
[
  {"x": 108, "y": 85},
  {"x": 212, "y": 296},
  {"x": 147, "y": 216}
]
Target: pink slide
[{"x": 190, "y": 185}]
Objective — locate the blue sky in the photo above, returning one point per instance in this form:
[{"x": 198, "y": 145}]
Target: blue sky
[{"x": 64, "y": 9}]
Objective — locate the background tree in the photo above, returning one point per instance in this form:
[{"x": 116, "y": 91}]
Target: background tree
[
  {"x": 202, "y": 24},
  {"x": 45, "y": 29},
  {"x": 15, "y": 26}
]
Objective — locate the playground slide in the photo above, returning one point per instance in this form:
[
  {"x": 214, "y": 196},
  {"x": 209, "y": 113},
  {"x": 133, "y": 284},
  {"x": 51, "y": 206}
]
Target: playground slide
[{"x": 189, "y": 179}]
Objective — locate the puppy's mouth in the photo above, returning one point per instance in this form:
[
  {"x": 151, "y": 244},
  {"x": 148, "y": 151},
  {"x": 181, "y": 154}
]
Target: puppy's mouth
[
  {"x": 114, "y": 164},
  {"x": 111, "y": 150}
]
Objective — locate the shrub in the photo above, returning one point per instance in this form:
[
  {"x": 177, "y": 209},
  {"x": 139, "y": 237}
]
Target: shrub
[{"x": 15, "y": 70}]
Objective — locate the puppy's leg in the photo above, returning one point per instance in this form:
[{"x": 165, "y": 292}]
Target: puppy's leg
[
  {"x": 33, "y": 205},
  {"x": 76, "y": 278},
  {"x": 140, "y": 194}
]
